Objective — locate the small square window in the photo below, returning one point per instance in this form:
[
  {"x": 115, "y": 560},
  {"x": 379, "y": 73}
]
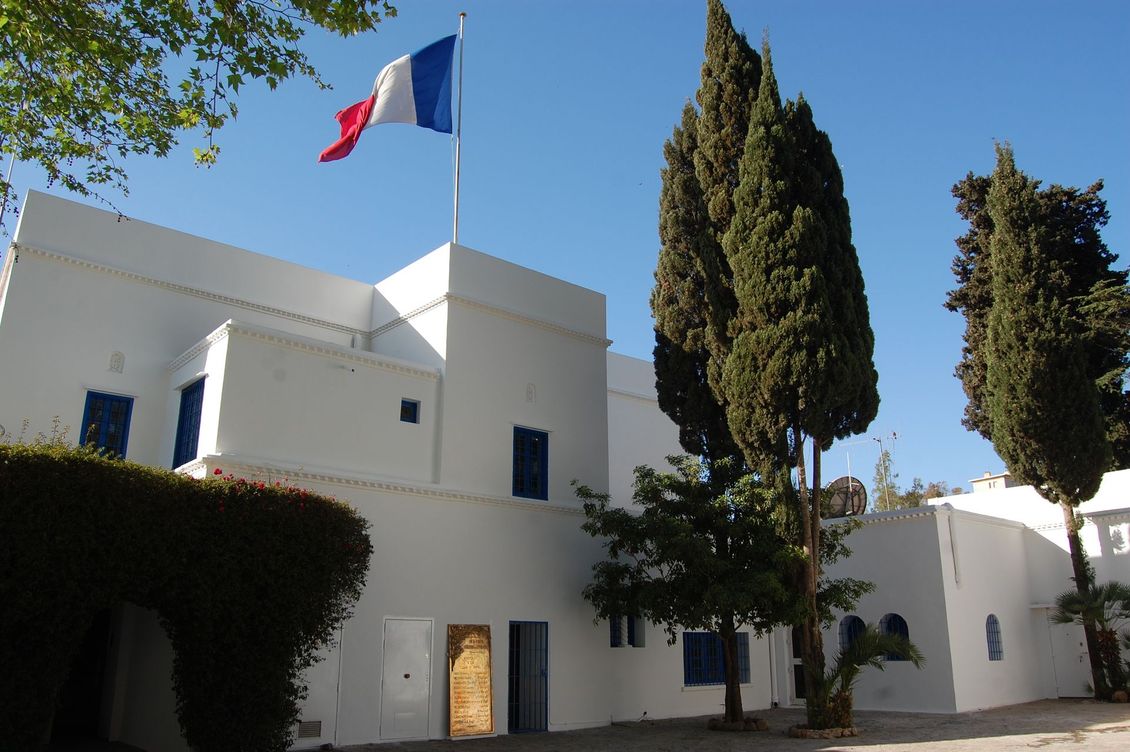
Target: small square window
[{"x": 409, "y": 411}]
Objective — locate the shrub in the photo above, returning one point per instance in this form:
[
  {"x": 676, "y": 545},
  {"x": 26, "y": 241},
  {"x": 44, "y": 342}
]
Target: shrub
[{"x": 248, "y": 579}]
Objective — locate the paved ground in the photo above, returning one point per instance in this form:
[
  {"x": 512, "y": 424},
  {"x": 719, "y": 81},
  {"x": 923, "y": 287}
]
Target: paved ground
[{"x": 1049, "y": 725}]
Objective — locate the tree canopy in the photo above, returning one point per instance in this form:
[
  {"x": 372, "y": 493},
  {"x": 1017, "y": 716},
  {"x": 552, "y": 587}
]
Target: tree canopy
[
  {"x": 83, "y": 85},
  {"x": 1046, "y": 341},
  {"x": 761, "y": 316}
]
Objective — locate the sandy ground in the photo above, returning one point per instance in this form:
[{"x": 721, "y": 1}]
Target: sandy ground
[{"x": 1077, "y": 725}]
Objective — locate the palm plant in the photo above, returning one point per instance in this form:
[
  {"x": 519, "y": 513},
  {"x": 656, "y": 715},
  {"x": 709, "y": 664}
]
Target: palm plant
[
  {"x": 1107, "y": 607},
  {"x": 870, "y": 648}
]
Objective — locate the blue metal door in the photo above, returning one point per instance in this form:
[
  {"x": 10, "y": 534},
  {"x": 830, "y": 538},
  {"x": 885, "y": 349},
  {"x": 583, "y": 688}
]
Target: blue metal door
[{"x": 528, "y": 700}]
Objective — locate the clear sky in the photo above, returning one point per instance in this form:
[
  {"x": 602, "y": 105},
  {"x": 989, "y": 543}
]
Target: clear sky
[{"x": 566, "y": 108}]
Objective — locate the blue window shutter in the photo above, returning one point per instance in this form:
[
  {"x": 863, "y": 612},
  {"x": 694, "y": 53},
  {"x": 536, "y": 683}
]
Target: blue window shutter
[
  {"x": 704, "y": 660},
  {"x": 188, "y": 423},
  {"x": 105, "y": 421},
  {"x": 632, "y": 631},
  {"x": 614, "y": 634}
]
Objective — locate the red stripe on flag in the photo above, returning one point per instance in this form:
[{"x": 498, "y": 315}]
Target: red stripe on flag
[{"x": 353, "y": 120}]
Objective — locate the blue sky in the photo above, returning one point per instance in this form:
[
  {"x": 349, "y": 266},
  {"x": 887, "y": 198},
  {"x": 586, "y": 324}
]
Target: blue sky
[{"x": 566, "y": 108}]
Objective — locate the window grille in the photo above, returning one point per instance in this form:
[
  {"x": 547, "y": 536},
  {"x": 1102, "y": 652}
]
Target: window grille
[
  {"x": 703, "y": 660},
  {"x": 993, "y": 638},
  {"x": 188, "y": 423},
  {"x": 531, "y": 463},
  {"x": 851, "y": 627}
]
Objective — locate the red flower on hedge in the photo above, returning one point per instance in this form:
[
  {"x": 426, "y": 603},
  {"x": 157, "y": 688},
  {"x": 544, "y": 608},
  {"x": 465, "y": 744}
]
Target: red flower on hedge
[{"x": 217, "y": 471}]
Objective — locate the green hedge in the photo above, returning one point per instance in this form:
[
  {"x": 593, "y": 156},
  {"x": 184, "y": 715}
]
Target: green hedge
[{"x": 248, "y": 579}]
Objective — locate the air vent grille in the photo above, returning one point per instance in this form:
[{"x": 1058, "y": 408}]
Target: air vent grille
[{"x": 309, "y": 729}]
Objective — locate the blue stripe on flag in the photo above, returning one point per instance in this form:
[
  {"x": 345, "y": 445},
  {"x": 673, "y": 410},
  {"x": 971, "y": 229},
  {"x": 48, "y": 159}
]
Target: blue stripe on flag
[{"x": 431, "y": 84}]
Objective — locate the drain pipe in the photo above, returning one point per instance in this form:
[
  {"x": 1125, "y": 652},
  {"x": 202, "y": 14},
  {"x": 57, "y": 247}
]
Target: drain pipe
[{"x": 774, "y": 695}]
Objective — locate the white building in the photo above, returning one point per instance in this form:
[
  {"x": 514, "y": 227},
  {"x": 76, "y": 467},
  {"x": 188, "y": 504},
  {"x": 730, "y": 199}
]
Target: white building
[{"x": 452, "y": 404}]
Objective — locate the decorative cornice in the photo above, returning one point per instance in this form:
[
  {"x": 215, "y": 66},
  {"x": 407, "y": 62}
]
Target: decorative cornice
[
  {"x": 250, "y": 467},
  {"x": 192, "y": 291},
  {"x": 505, "y": 313},
  {"x": 215, "y": 336},
  {"x": 633, "y": 395},
  {"x": 304, "y": 344}
]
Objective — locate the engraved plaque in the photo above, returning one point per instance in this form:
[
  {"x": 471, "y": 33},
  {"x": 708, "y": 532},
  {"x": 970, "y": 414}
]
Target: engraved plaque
[{"x": 469, "y": 684}]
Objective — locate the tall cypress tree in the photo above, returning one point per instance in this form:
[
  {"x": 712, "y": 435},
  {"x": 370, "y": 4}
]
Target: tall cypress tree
[
  {"x": 1072, "y": 220},
  {"x": 679, "y": 306},
  {"x": 693, "y": 296},
  {"x": 1041, "y": 399},
  {"x": 800, "y": 370},
  {"x": 731, "y": 72}
]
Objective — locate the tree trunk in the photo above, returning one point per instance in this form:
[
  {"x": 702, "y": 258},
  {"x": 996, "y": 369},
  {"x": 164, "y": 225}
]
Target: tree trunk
[
  {"x": 1082, "y": 584},
  {"x": 729, "y": 635},
  {"x": 812, "y": 641}
]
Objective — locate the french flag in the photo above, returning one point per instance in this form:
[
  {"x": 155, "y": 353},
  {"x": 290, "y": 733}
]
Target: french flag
[{"x": 414, "y": 89}]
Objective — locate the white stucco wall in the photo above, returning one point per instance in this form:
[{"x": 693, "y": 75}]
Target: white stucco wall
[
  {"x": 984, "y": 554},
  {"x": 639, "y": 433},
  {"x": 902, "y": 554}
]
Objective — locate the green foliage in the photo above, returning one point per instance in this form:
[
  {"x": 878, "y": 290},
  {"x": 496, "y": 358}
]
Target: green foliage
[
  {"x": 1049, "y": 431},
  {"x": 869, "y": 649},
  {"x": 1079, "y": 267},
  {"x": 249, "y": 580},
  {"x": 886, "y": 494},
  {"x": 685, "y": 556},
  {"x": 1107, "y": 607},
  {"x": 678, "y": 303},
  {"x": 84, "y": 84},
  {"x": 761, "y": 315},
  {"x": 692, "y": 554}
]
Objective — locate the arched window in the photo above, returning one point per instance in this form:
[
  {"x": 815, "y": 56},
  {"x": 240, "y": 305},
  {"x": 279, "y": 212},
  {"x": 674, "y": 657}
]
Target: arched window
[
  {"x": 993, "y": 638},
  {"x": 851, "y": 627},
  {"x": 893, "y": 624}
]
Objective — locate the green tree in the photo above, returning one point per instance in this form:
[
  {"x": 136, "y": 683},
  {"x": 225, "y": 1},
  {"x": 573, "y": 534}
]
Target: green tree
[
  {"x": 1073, "y": 220},
  {"x": 884, "y": 485},
  {"x": 799, "y": 374},
  {"x": 692, "y": 278},
  {"x": 886, "y": 495},
  {"x": 85, "y": 84},
  {"x": 689, "y": 555},
  {"x": 1050, "y": 430}
]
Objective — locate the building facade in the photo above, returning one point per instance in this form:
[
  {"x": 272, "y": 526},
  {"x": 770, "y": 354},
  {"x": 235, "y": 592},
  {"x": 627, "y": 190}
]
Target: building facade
[{"x": 453, "y": 404}]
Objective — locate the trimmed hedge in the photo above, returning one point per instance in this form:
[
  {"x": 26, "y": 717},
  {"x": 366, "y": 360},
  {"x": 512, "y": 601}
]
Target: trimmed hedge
[{"x": 248, "y": 579}]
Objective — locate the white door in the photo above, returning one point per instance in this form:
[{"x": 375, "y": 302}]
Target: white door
[
  {"x": 406, "y": 678},
  {"x": 1070, "y": 661}
]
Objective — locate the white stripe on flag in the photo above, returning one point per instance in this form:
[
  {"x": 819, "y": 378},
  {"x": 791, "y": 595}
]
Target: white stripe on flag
[{"x": 395, "y": 98}]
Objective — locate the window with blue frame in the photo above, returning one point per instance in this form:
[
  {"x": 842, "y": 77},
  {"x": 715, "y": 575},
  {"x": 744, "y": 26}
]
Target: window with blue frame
[
  {"x": 703, "y": 663},
  {"x": 531, "y": 463},
  {"x": 409, "y": 411},
  {"x": 893, "y": 624},
  {"x": 616, "y": 631},
  {"x": 105, "y": 421},
  {"x": 993, "y": 638},
  {"x": 188, "y": 423}
]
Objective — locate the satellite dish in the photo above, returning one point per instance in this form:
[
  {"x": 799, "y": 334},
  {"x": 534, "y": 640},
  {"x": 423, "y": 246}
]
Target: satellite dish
[{"x": 846, "y": 496}]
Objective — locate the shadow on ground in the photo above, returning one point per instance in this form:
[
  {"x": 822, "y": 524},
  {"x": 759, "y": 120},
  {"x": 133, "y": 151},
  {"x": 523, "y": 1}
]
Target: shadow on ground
[
  {"x": 1047, "y": 725},
  {"x": 1044, "y": 725}
]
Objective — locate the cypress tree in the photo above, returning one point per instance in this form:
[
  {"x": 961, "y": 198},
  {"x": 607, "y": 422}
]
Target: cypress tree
[
  {"x": 800, "y": 370},
  {"x": 731, "y": 72},
  {"x": 1041, "y": 399},
  {"x": 1072, "y": 220},
  {"x": 679, "y": 307},
  {"x": 693, "y": 297}
]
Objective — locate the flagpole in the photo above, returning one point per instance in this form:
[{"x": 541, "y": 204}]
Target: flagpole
[{"x": 458, "y": 133}]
